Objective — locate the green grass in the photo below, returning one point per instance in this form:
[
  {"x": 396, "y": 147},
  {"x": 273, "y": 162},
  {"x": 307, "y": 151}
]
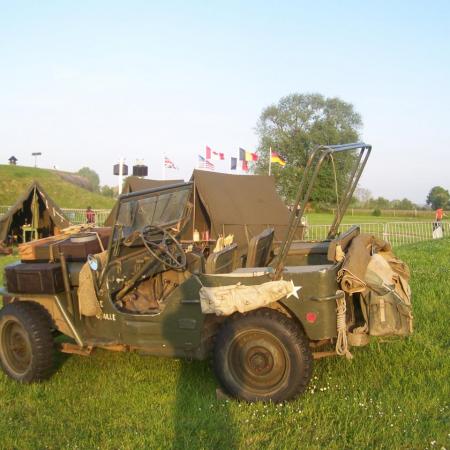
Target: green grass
[
  {"x": 327, "y": 218},
  {"x": 14, "y": 180},
  {"x": 392, "y": 395}
]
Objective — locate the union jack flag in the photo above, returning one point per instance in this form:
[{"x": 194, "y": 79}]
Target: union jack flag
[
  {"x": 205, "y": 164},
  {"x": 169, "y": 164}
]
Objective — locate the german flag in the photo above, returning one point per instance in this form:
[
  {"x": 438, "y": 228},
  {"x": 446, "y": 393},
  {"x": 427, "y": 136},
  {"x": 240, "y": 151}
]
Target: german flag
[{"x": 276, "y": 158}]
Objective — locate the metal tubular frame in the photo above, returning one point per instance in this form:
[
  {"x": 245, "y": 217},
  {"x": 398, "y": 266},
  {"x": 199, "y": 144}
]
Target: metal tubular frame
[{"x": 312, "y": 169}]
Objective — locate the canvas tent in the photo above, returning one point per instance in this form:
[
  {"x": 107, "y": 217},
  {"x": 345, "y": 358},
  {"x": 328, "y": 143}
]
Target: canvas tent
[
  {"x": 243, "y": 205},
  {"x": 36, "y": 209},
  {"x": 134, "y": 184}
]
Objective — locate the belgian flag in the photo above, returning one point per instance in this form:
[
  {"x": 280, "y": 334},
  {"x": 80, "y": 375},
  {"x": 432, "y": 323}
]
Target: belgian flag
[{"x": 244, "y": 155}]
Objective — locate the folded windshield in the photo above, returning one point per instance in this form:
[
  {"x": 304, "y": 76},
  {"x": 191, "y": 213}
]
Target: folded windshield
[{"x": 165, "y": 208}]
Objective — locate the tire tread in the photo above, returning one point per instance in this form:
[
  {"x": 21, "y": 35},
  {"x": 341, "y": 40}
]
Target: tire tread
[{"x": 37, "y": 322}]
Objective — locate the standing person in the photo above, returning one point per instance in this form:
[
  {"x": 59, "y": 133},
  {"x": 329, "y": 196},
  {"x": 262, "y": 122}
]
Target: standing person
[
  {"x": 438, "y": 229},
  {"x": 440, "y": 214},
  {"x": 90, "y": 215}
]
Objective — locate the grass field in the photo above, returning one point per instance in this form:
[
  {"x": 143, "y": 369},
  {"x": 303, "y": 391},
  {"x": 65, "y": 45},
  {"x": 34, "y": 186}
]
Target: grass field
[
  {"x": 327, "y": 218},
  {"x": 392, "y": 395},
  {"x": 15, "y": 179}
]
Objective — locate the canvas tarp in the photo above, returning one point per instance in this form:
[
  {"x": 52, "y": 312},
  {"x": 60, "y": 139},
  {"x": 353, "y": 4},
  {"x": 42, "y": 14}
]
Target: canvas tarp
[
  {"x": 134, "y": 184},
  {"x": 225, "y": 300},
  {"x": 243, "y": 205},
  {"x": 35, "y": 208}
]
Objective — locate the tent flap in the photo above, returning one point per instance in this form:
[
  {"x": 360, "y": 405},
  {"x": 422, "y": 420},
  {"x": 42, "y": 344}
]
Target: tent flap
[{"x": 33, "y": 203}]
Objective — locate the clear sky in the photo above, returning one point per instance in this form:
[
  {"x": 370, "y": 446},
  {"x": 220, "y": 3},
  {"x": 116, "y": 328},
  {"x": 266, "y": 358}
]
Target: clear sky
[{"x": 87, "y": 82}]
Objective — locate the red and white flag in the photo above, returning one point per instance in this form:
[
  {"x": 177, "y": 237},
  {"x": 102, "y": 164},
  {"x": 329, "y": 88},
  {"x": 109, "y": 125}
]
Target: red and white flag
[
  {"x": 211, "y": 154},
  {"x": 169, "y": 164}
]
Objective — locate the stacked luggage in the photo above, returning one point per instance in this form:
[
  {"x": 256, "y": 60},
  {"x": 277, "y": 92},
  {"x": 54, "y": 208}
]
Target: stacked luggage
[{"x": 39, "y": 271}]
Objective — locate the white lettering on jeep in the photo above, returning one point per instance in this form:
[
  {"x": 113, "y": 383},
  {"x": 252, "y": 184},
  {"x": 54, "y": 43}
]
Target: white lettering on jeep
[{"x": 106, "y": 316}]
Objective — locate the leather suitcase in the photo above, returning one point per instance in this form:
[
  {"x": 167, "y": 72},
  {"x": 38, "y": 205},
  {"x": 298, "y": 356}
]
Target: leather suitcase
[
  {"x": 28, "y": 278},
  {"x": 76, "y": 247}
]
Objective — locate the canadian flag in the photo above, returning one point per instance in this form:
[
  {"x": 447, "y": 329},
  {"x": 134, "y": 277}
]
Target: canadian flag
[{"x": 211, "y": 154}]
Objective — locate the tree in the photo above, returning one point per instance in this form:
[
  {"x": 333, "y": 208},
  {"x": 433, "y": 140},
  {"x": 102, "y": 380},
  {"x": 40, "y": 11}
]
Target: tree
[
  {"x": 293, "y": 128},
  {"x": 92, "y": 177},
  {"x": 107, "y": 191},
  {"x": 404, "y": 204},
  {"x": 438, "y": 197},
  {"x": 382, "y": 203},
  {"x": 363, "y": 195}
]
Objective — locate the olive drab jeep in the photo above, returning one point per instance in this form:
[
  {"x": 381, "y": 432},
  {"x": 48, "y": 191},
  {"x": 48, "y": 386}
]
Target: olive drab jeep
[{"x": 263, "y": 318}]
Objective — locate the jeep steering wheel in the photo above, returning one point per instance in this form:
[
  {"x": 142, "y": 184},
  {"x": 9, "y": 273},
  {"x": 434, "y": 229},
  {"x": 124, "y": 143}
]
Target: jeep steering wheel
[{"x": 160, "y": 248}]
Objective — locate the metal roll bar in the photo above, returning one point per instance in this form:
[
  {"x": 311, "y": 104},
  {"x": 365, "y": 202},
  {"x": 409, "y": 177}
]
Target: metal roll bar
[{"x": 312, "y": 169}]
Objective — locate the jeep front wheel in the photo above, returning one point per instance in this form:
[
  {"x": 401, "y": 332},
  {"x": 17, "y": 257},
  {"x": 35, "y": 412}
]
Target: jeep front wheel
[
  {"x": 26, "y": 342},
  {"x": 262, "y": 356}
]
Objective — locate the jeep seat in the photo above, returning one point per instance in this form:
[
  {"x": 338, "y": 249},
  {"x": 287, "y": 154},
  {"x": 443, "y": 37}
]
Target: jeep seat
[
  {"x": 259, "y": 249},
  {"x": 221, "y": 262}
]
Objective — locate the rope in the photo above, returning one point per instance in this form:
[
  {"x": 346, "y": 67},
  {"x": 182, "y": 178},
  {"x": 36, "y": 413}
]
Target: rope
[{"x": 342, "y": 342}]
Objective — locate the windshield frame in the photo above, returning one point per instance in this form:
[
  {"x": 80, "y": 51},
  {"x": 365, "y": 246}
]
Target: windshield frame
[
  {"x": 150, "y": 193},
  {"x": 146, "y": 193}
]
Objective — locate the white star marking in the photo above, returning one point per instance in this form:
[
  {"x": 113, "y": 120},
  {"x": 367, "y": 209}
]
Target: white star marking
[{"x": 294, "y": 291}]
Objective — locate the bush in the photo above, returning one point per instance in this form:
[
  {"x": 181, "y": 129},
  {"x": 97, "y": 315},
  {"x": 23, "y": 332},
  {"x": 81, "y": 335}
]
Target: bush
[{"x": 376, "y": 212}]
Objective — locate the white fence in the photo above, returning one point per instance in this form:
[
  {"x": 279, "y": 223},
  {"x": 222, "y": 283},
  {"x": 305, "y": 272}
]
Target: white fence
[
  {"x": 397, "y": 233},
  {"x": 78, "y": 216}
]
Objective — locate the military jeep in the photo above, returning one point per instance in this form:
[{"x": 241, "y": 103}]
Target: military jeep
[{"x": 263, "y": 318}]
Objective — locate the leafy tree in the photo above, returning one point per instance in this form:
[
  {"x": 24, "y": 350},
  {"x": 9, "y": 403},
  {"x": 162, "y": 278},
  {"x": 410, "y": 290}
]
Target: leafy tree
[
  {"x": 107, "y": 191},
  {"x": 92, "y": 177},
  {"x": 438, "y": 197},
  {"x": 404, "y": 204},
  {"x": 294, "y": 127},
  {"x": 382, "y": 203},
  {"x": 363, "y": 195}
]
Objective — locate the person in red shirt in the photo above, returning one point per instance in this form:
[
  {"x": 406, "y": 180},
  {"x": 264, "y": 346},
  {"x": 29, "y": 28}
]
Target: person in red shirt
[
  {"x": 439, "y": 214},
  {"x": 90, "y": 215}
]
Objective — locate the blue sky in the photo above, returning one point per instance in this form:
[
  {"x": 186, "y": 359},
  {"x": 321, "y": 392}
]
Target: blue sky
[{"x": 87, "y": 82}]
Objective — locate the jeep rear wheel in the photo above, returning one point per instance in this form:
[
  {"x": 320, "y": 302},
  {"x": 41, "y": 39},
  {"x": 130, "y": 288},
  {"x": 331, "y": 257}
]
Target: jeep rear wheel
[
  {"x": 26, "y": 342},
  {"x": 262, "y": 356}
]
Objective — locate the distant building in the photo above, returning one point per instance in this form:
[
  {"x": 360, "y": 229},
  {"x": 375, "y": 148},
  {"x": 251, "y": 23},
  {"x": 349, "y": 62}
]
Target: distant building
[{"x": 13, "y": 160}]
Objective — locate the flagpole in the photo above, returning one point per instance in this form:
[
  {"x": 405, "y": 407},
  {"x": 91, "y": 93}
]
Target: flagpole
[
  {"x": 120, "y": 175},
  {"x": 270, "y": 160},
  {"x": 164, "y": 166}
]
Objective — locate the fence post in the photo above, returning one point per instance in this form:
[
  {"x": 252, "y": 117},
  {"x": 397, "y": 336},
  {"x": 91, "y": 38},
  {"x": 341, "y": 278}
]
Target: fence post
[{"x": 385, "y": 231}]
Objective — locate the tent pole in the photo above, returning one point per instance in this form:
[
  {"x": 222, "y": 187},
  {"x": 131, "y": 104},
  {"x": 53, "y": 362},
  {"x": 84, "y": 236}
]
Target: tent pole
[{"x": 193, "y": 213}]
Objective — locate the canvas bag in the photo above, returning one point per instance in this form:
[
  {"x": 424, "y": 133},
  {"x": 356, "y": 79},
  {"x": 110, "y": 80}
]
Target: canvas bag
[{"x": 387, "y": 302}]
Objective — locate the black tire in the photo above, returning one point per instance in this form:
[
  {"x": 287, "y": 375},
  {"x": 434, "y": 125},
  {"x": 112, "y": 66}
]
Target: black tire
[
  {"x": 26, "y": 342},
  {"x": 262, "y": 356}
]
